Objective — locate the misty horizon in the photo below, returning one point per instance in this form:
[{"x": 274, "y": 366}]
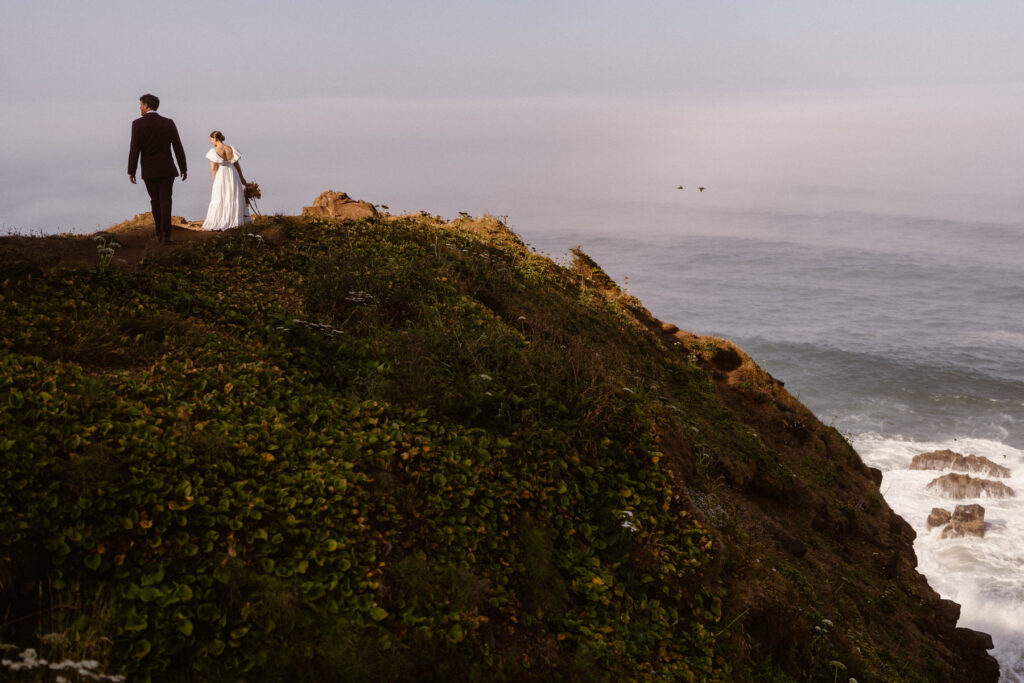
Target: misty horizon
[
  {"x": 936, "y": 154},
  {"x": 890, "y": 107}
]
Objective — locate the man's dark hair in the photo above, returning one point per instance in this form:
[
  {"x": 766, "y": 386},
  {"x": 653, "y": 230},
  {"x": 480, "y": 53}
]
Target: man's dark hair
[{"x": 151, "y": 101}]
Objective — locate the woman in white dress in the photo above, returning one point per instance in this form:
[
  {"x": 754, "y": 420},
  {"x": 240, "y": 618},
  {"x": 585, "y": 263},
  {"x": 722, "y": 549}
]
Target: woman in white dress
[{"x": 227, "y": 201}]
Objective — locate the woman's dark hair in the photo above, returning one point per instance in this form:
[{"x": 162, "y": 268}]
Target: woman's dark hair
[
  {"x": 217, "y": 135},
  {"x": 151, "y": 101}
]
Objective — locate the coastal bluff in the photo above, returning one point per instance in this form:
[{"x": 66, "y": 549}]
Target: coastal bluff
[{"x": 399, "y": 447}]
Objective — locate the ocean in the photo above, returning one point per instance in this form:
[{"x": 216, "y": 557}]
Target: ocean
[{"x": 904, "y": 332}]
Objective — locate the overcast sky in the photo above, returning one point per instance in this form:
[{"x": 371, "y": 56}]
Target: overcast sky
[{"x": 490, "y": 105}]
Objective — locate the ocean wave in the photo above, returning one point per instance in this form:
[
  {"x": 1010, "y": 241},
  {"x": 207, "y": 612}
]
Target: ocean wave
[
  {"x": 984, "y": 575},
  {"x": 1007, "y": 339}
]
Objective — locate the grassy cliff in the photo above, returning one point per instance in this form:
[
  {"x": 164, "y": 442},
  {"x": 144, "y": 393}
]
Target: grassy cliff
[{"x": 404, "y": 449}]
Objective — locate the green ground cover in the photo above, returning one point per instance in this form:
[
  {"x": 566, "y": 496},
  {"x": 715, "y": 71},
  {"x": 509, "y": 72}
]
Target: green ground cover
[{"x": 359, "y": 451}]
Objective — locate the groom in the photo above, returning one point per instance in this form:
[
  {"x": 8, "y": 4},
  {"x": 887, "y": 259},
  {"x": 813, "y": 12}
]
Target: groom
[{"x": 153, "y": 136}]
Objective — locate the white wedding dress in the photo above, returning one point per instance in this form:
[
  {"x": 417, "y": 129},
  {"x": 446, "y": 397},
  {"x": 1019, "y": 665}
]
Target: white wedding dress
[{"x": 227, "y": 201}]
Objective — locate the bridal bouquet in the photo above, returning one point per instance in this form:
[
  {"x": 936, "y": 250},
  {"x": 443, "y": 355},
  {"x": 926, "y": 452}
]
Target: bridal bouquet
[{"x": 252, "y": 193}]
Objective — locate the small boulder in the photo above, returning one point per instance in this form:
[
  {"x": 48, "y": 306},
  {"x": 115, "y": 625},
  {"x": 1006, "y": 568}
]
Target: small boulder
[
  {"x": 338, "y": 205},
  {"x": 966, "y": 486},
  {"x": 951, "y": 460},
  {"x": 938, "y": 517},
  {"x": 966, "y": 520}
]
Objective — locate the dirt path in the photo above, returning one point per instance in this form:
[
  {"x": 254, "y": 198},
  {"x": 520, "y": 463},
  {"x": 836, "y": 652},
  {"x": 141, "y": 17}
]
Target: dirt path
[{"x": 137, "y": 238}]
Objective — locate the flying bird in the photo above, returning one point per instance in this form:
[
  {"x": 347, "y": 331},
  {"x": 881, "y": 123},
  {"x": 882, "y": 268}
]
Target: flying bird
[
  {"x": 701, "y": 188},
  {"x": 680, "y": 187}
]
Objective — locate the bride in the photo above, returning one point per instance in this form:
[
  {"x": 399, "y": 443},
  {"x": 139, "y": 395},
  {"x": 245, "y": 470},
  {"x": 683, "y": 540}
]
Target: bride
[{"x": 227, "y": 201}]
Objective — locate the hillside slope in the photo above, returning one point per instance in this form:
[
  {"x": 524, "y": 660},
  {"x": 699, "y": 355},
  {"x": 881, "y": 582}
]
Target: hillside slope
[{"x": 404, "y": 449}]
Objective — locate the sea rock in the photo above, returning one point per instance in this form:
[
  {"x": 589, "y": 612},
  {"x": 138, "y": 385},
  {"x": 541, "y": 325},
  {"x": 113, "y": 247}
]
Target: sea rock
[
  {"x": 938, "y": 517},
  {"x": 966, "y": 486},
  {"x": 338, "y": 205},
  {"x": 951, "y": 460},
  {"x": 966, "y": 520}
]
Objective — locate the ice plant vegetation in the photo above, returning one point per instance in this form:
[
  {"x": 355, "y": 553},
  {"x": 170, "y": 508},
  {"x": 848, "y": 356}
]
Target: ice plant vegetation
[{"x": 400, "y": 448}]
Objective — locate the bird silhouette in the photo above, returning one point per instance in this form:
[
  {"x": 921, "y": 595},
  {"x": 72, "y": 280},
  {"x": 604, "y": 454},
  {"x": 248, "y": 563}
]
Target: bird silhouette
[
  {"x": 680, "y": 187},
  {"x": 701, "y": 189}
]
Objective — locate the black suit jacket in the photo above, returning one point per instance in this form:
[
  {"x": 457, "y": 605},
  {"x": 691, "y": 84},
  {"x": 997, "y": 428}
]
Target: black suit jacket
[{"x": 153, "y": 136}]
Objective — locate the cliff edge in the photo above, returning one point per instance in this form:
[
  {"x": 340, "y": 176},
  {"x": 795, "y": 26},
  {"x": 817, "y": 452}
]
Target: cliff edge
[{"x": 399, "y": 448}]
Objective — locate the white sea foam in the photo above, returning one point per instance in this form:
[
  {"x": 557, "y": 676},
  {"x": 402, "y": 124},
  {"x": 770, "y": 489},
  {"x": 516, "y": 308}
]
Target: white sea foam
[{"x": 985, "y": 575}]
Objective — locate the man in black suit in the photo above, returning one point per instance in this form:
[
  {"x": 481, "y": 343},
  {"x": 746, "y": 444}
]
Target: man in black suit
[{"x": 153, "y": 136}]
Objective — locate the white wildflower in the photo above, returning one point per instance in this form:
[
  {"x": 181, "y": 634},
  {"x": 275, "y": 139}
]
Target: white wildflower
[
  {"x": 358, "y": 297},
  {"x": 627, "y": 521}
]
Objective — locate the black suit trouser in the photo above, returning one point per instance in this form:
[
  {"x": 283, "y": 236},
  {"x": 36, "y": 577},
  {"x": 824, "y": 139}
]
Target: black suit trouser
[{"x": 160, "y": 199}]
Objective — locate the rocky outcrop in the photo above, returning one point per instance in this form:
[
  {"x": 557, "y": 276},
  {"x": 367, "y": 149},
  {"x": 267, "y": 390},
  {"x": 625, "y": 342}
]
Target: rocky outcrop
[
  {"x": 876, "y": 475},
  {"x": 966, "y": 520},
  {"x": 966, "y": 486},
  {"x": 973, "y": 644},
  {"x": 951, "y": 460},
  {"x": 338, "y": 205},
  {"x": 938, "y": 517},
  {"x": 145, "y": 220}
]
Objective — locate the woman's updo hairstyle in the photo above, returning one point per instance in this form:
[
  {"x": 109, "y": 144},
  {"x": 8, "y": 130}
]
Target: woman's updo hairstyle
[{"x": 217, "y": 135}]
